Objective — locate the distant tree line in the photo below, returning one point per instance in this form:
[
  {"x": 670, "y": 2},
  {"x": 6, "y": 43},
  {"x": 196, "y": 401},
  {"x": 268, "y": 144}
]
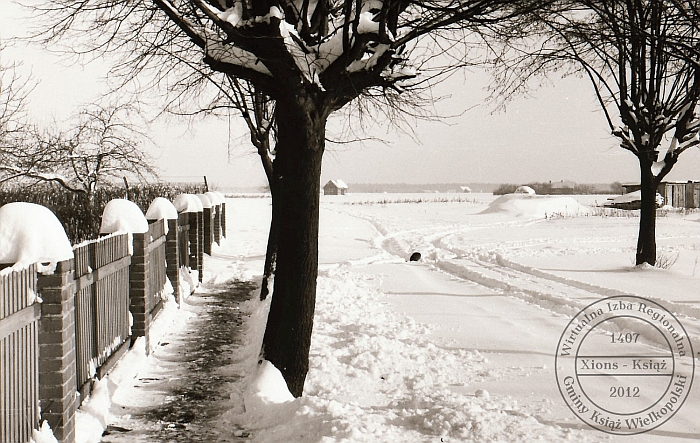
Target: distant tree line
[{"x": 546, "y": 188}]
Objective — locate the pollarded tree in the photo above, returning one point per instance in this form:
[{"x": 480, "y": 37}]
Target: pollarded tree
[
  {"x": 310, "y": 57},
  {"x": 642, "y": 59}
]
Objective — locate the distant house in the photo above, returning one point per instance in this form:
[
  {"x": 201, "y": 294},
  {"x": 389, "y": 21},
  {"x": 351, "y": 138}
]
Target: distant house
[
  {"x": 335, "y": 187},
  {"x": 563, "y": 187},
  {"x": 465, "y": 189}
]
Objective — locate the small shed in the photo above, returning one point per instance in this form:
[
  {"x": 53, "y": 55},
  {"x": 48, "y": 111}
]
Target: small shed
[
  {"x": 679, "y": 194},
  {"x": 335, "y": 187},
  {"x": 465, "y": 189}
]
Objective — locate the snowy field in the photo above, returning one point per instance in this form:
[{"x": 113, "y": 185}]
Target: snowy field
[{"x": 456, "y": 347}]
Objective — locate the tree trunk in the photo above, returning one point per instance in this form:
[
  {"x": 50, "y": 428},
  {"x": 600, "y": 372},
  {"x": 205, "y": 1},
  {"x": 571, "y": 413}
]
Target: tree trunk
[
  {"x": 646, "y": 242},
  {"x": 272, "y": 240},
  {"x": 297, "y": 168}
]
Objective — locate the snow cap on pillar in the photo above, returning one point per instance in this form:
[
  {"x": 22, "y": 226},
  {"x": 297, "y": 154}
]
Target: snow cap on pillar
[
  {"x": 122, "y": 215},
  {"x": 206, "y": 201},
  {"x": 161, "y": 208},
  {"x": 188, "y": 203},
  {"x": 31, "y": 233},
  {"x": 214, "y": 197}
]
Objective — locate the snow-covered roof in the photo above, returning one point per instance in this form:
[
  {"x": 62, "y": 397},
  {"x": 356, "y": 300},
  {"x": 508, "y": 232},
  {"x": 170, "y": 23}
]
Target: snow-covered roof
[
  {"x": 338, "y": 184},
  {"x": 563, "y": 184},
  {"x": 31, "y": 233}
]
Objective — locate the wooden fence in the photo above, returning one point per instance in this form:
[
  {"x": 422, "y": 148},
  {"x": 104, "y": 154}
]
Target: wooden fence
[
  {"x": 50, "y": 353},
  {"x": 19, "y": 355},
  {"x": 101, "y": 305}
]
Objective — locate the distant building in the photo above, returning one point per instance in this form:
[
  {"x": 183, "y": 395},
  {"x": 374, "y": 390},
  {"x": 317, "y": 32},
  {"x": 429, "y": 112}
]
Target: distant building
[
  {"x": 678, "y": 194},
  {"x": 563, "y": 187},
  {"x": 465, "y": 189},
  {"x": 335, "y": 187},
  {"x": 631, "y": 187}
]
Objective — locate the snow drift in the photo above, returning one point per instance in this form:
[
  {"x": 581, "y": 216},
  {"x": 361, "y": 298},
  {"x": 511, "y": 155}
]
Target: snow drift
[{"x": 536, "y": 206}]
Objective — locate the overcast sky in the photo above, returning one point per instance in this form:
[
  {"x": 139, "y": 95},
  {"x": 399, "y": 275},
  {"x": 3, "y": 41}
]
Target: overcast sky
[{"x": 559, "y": 134}]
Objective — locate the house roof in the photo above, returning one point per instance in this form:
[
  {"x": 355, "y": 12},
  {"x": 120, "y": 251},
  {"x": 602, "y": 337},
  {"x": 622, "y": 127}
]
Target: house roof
[
  {"x": 563, "y": 184},
  {"x": 338, "y": 184}
]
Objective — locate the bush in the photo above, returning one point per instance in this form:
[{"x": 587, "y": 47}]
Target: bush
[{"x": 79, "y": 217}]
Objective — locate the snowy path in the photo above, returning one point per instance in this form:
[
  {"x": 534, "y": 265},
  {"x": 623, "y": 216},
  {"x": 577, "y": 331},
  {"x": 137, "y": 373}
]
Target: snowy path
[{"x": 175, "y": 396}]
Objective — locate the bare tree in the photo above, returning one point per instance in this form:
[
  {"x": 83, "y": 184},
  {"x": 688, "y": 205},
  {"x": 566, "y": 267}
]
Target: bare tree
[
  {"x": 100, "y": 144},
  {"x": 14, "y": 92},
  {"x": 312, "y": 58},
  {"x": 642, "y": 59}
]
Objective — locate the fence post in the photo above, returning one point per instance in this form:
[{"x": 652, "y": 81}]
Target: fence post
[
  {"x": 208, "y": 230},
  {"x": 172, "y": 256},
  {"x": 57, "y": 370},
  {"x": 138, "y": 289},
  {"x": 195, "y": 242},
  {"x": 223, "y": 219},
  {"x": 200, "y": 245},
  {"x": 216, "y": 210}
]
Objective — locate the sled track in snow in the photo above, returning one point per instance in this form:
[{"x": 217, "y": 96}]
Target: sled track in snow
[{"x": 490, "y": 268}]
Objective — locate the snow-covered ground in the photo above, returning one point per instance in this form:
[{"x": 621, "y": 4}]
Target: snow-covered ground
[{"x": 458, "y": 346}]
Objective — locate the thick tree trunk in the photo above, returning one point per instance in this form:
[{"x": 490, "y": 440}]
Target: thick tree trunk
[
  {"x": 646, "y": 242},
  {"x": 297, "y": 167},
  {"x": 272, "y": 240}
]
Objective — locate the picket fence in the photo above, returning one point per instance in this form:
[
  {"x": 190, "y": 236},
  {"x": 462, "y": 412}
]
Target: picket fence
[{"x": 52, "y": 352}]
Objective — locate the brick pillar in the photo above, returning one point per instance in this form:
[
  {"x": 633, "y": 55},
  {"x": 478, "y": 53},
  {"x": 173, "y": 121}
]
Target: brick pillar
[
  {"x": 223, "y": 220},
  {"x": 217, "y": 224},
  {"x": 57, "y": 370},
  {"x": 172, "y": 257},
  {"x": 200, "y": 245},
  {"x": 208, "y": 230},
  {"x": 138, "y": 289}
]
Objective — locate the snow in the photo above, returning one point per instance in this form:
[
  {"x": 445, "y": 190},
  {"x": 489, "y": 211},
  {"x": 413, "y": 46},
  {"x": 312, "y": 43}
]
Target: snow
[
  {"x": 527, "y": 205},
  {"x": 161, "y": 208},
  {"x": 266, "y": 390},
  {"x": 632, "y": 197},
  {"x": 188, "y": 203},
  {"x": 214, "y": 198},
  {"x": 525, "y": 190},
  {"x": 234, "y": 14},
  {"x": 205, "y": 200},
  {"x": 44, "y": 434},
  {"x": 367, "y": 25},
  {"x": 458, "y": 347},
  {"x": 31, "y": 233},
  {"x": 120, "y": 215},
  {"x": 234, "y": 55}
]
